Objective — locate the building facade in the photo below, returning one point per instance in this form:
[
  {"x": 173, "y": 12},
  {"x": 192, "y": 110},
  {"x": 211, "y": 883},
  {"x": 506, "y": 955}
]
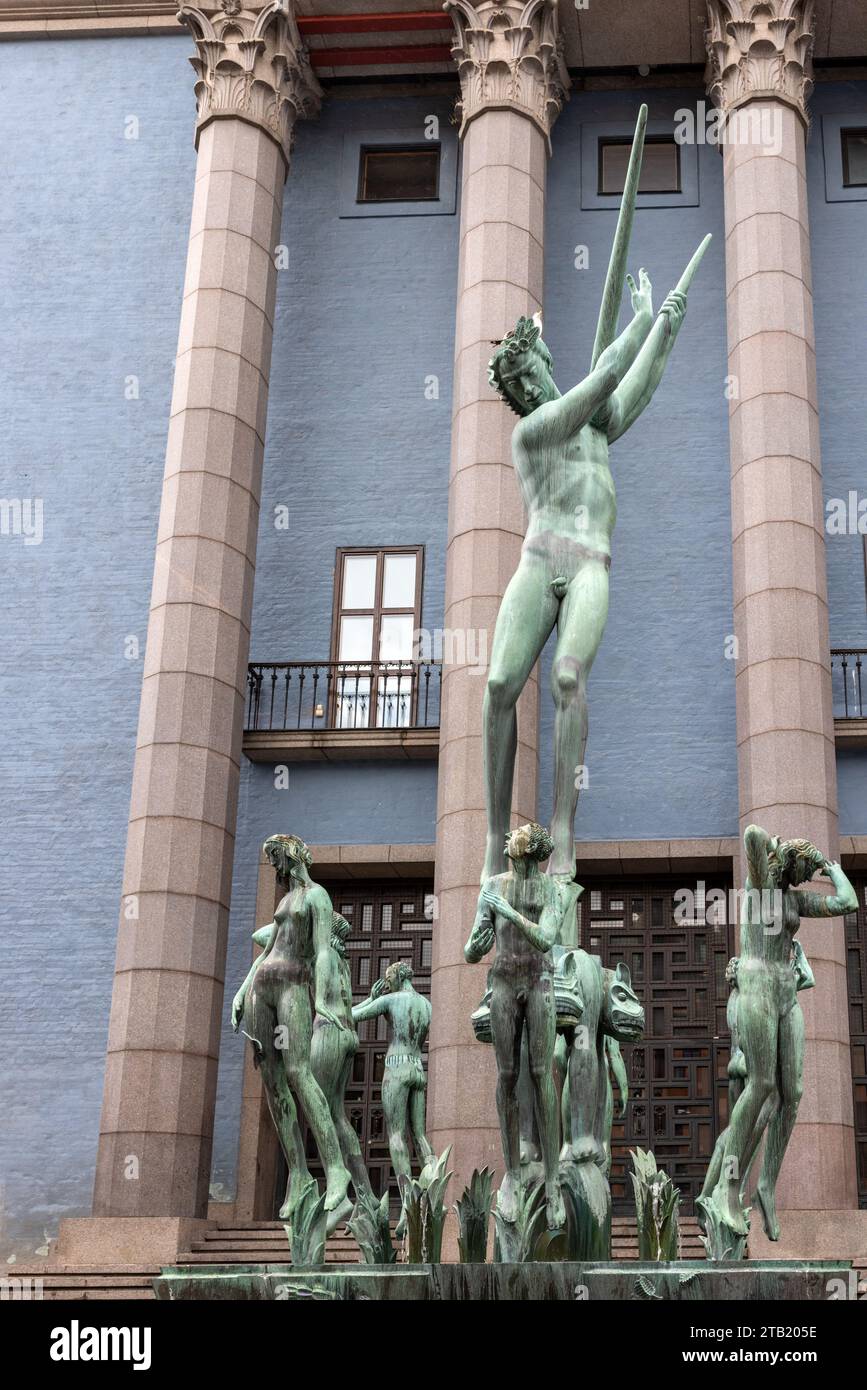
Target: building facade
[{"x": 254, "y": 562}]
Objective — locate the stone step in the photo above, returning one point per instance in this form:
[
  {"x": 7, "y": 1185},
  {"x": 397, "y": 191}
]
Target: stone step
[
  {"x": 266, "y": 1241},
  {"x": 62, "y": 1282},
  {"x": 74, "y": 1294}
]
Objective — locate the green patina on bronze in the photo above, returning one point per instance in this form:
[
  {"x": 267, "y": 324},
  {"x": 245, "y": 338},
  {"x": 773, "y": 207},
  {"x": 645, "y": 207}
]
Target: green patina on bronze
[
  {"x": 657, "y": 1202},
  {"x": 556, "y": 1012},
  {"x": 334, "y": 1045},
  {"x": 404, "y": 1084},
  {"x": 273, "y": 1009},
  {"x": 767, "y": 1027},
  {"x": 687, "y": 1281},
  {"x": 560, "y": 454},
  {"x": 522, "y": 911},
  {"x": 611, "y": 1013},
  {"x": 473, "y": 1212},
  {"x": 425, "y": 1211}
]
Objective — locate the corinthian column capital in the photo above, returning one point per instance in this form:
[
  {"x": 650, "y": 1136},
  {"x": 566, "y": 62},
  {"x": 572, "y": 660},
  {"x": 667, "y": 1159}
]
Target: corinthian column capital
[
  {"x": 251, "y": 63},
  {"x": 760, "y": 48},
  {"x": 509, "y": 55}
]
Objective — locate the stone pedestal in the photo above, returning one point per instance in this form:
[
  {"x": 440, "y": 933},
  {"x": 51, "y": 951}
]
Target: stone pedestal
[{"x": 683, "y": 1281}]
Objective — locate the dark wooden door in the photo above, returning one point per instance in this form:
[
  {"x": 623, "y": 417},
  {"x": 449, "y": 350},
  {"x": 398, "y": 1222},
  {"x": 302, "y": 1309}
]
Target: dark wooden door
[
  {"x": 678, "y": 1087},
  {"x": 391, "y": 920},
  {"x": 856, "y": 969}
]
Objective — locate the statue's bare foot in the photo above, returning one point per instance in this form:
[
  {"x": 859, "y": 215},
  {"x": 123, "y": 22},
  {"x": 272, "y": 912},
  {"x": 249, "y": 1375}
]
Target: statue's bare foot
[
  {"x": 768, "y": 1207},
  {"x": 530, "y": 1153},
  {"x": 336, "y": 1217},
  {"x": 508, "y": 1197},
  {"x": 294, "y": 1194},
  {"x": 337, "y": 1188},
  {"x": 555, "y": 1210}
]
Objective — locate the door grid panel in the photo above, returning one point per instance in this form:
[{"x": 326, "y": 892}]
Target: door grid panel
[
  {"x": 856, "y": 970},
  {"x": 678, "y": 1096}
]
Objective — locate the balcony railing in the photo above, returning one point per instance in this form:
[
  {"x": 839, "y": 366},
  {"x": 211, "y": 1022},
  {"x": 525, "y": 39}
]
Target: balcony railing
[
  {"x": 846, "y": 682},
  {"x": 283, "y": 695}
]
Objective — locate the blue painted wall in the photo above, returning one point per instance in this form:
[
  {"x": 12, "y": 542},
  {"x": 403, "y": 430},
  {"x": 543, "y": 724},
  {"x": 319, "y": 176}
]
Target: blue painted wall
[
  {"x": 852, "y": 791},
  {"x": 661, "y": 751},
  {"x": 839, "y": 236},
  {"x": 93, "y": 231}
]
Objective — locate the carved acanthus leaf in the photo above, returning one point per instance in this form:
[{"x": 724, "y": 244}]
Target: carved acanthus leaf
[
  {"x": 759, "y": 48},
  {"x": 251, "y": 62},
  {"x": 509, "y": 55}
]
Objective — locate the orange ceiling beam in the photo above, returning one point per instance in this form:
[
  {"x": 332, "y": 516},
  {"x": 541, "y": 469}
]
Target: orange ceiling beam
[{"x": 379, "y": 23}]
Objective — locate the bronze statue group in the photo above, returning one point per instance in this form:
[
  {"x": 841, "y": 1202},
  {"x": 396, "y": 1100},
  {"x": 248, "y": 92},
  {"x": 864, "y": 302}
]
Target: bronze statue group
[{"x": 555, "y": 1015}]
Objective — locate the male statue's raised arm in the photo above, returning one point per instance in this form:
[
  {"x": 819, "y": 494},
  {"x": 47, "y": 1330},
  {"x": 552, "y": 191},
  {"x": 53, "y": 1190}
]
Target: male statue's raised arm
[
  {"x": 564, "y": 417},
  {"x": 635, "y": 391}
]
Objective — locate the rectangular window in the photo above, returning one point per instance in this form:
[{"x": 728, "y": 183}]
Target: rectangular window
[
  {"x": 377, "y": 612},
  {"x": 400, "y": 174},
  {"x": 660, "y": 167},
  {"x": 854, "y": 143}
]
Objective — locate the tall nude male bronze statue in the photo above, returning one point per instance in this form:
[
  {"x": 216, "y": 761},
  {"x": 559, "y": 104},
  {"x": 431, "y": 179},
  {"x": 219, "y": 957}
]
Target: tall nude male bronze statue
[
  {"x": 522, "y": 912},
  {"x": 560, "y": 454},
  {"x": 274, "y": 1007},
  {"x": 767, "y": 1032}
]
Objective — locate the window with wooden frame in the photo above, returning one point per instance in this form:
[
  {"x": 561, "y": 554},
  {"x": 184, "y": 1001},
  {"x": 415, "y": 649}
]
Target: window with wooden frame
[
  {"x": 377, "y": 614},
  {"x": 399, "y": 173},
  {"x": 854, "y": 152},
  {"x": 660, "y": 166}
]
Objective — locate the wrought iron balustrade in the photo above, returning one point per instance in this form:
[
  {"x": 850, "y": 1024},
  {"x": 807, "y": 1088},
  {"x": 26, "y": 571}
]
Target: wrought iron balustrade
[
  {"x": 846, "y": 682},
  {"x": 284, "y": 695}
]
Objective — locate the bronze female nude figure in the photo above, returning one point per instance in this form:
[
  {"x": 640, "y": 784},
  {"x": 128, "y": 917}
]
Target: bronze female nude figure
[
  {"x": 274, "y": 1007},
  {"x": 767, "y": 1031}
]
